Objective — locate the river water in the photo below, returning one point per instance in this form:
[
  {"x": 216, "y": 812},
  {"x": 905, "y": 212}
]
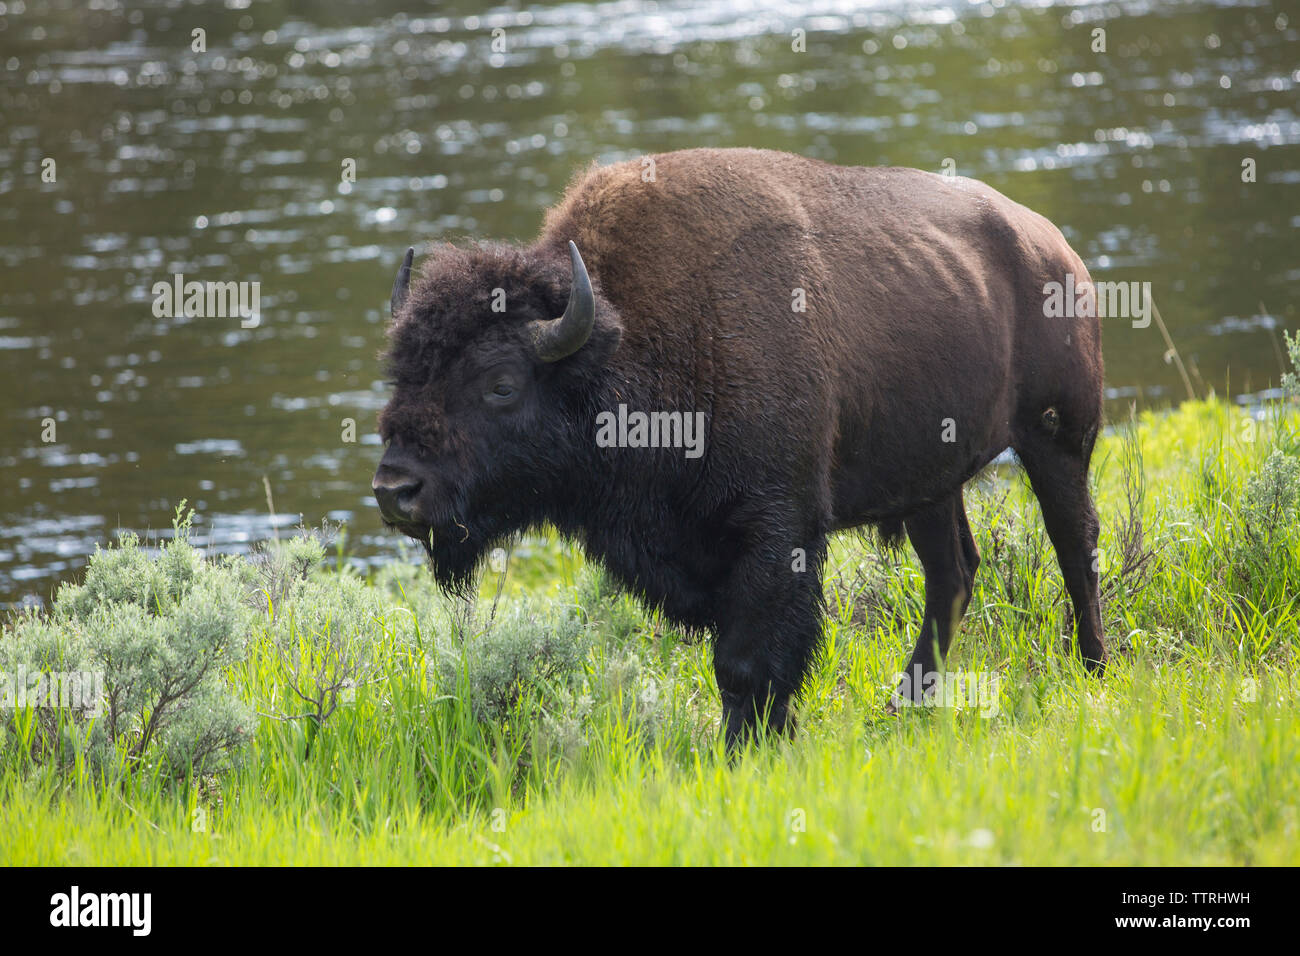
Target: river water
[{"x": 127, "y": 156}]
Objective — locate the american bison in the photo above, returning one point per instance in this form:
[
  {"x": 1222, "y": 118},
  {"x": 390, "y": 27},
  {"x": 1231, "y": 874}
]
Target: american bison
[{"x": 858, "y": 341}]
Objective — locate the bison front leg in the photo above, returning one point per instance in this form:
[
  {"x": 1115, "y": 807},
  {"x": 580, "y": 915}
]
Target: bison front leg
[{"x": 766, "y": 638}]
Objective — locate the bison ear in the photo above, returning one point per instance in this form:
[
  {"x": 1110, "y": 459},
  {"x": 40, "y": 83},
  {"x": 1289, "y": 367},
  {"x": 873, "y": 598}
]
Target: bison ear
[
  {"x": 555, "y": 339},
  {"x": 402, "y": 284}
]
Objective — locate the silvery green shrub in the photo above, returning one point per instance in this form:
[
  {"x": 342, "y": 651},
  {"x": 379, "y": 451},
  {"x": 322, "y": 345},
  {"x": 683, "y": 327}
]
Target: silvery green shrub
[
  {"x": 31, "y": 645},
  {"x": 279, "y": 567},
  {"x": 627, "y": 681},
  {"x": 603, "y": 603},
  {"x": 1268, "y": 532},
  {"x": 157, "y": 633},
  {"x": 564, "y": 723},
  {"x": 531, "y": 647},
  {"x": 325, "y": 631}
]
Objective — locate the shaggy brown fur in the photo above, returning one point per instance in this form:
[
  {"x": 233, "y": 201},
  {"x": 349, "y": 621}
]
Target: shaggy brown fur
[{"x": 922, "y": 354}]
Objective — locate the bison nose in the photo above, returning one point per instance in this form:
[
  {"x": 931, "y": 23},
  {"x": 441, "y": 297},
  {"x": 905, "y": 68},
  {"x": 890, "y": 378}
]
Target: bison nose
[{"x": 396, "y": 495}]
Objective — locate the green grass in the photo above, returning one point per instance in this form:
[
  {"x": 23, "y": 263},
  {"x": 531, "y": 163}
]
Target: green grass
[{"x": 571, "y": 726}]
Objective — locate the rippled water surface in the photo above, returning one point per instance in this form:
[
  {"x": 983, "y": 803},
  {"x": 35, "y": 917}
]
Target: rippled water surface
[{"x": 226, "y": 165}]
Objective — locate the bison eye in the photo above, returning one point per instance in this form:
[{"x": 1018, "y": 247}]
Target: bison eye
[
  {"x": 503, "y": 385},
  {"x": 502, "y": 392}
]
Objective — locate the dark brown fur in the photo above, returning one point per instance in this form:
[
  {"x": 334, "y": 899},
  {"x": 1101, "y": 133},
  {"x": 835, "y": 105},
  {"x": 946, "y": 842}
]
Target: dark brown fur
[{"x": 924, "y": 304}]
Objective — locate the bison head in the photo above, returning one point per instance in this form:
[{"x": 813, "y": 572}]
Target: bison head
[{"x": 495, "y": 356}]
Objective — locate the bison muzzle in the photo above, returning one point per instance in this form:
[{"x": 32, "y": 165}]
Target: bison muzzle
[{"x": 858, "y": 343}]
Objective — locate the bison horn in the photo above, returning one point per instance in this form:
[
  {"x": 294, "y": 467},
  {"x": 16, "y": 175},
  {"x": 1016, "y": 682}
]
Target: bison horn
[
  {"x": 557, "y": 338},
  {"x": 402, "y": 283}
]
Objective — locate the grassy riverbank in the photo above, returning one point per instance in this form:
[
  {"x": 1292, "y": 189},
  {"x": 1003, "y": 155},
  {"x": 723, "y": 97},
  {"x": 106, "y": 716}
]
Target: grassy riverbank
[{"x": 284, "y": 710}]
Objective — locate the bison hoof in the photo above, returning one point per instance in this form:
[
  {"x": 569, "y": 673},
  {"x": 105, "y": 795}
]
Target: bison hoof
[{"x": 901, "y": 699}]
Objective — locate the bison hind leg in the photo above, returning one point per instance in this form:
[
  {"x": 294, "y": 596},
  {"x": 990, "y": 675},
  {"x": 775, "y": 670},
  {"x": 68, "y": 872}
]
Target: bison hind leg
[
  {"x": 1057, "y": 465},
  {"x": 941, "y": 536}
]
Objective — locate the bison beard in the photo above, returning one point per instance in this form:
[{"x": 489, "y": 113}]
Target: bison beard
[
  {"x": 454, "y": 563},
  {"x": 916, "y": 350}
]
